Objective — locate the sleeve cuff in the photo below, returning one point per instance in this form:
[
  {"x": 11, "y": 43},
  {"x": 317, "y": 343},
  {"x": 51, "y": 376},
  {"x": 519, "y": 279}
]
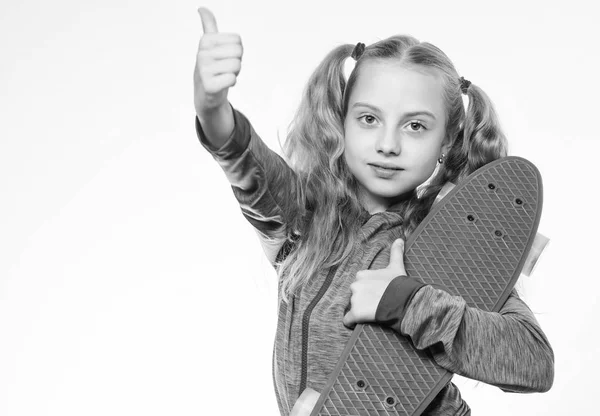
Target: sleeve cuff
[
  {"x": 395, "y": 300},
  {"x": 236, "y": 143}
]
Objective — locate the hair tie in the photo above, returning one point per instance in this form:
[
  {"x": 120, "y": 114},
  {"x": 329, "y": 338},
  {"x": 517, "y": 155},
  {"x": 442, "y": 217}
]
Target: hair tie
[
  {"x": 464, "y": 85},
  {"x": 358, "y": 51}
]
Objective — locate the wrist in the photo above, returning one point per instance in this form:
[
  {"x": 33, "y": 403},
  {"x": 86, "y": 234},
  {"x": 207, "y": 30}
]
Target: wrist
[
  {"x": 395, "y": 300},
  {"x": 217, "y": 124},
  {"x": 206, "y": 114}
]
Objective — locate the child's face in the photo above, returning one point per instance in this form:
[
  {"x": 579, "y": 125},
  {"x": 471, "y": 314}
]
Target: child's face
[{"x": 396, "y": 116}]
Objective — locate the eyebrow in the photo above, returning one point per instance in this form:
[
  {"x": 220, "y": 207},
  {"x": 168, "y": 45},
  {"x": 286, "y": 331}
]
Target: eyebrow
[{"x": 409, "y": 114}]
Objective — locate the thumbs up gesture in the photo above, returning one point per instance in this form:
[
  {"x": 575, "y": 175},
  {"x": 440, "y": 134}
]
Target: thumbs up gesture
[
  {"x": 218, "y": 64},
  {"x": 370, "y": 285}
]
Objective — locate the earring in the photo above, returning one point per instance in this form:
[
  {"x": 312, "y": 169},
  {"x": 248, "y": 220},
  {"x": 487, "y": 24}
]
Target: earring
[{"x": 441, "y": 159}]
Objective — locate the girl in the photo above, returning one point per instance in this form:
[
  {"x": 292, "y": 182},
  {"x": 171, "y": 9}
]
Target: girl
[{"x": 361, "y": 151}]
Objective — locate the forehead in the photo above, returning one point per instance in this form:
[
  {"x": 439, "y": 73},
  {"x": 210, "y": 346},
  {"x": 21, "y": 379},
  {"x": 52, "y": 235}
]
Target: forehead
[{"x": 394, "y": 87}]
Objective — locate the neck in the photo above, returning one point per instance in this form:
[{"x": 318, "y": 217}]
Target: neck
[{"x": 375, "y": 205}]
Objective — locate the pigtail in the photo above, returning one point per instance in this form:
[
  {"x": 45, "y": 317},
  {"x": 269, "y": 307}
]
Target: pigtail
[
  {"x": 484, "y": 138},
  {"x": 324, "y": 230},
  {"x": 319, "y": 118}
]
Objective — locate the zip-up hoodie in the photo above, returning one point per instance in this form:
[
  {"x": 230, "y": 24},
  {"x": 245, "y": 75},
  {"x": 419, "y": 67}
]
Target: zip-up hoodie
[{"x": 507, "y": 349}]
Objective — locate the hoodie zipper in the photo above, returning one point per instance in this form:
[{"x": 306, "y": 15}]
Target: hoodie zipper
[{"x": 305, "y": 323}]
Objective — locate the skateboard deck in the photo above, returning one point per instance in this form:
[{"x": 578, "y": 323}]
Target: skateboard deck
[{"x": 474, "y": 244}]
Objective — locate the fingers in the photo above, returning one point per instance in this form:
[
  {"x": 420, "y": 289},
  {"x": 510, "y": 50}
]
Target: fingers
[
  {"x": 209, "y": 23},
  {"x": 360, "y": 275},
  {"x": 210, "y": 40},
  {"x": 221, "y": 60},
  {"x": 218, "y": 83},
  {"x": 358, "y": 311},
  {"x": 224, "y": 51},
  {"x": 349, "y": 320},
  {"x": 218, "y": 75},
  {"x": 223, "y": 66}
]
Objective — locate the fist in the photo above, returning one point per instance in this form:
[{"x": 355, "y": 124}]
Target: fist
[
  {"x": 218, "y": 64},
  {"x": 370, "y": 285}
]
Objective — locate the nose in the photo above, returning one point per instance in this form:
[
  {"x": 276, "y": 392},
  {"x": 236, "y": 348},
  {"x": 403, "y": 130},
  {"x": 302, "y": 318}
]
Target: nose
[{"x": 388, "y": 142}]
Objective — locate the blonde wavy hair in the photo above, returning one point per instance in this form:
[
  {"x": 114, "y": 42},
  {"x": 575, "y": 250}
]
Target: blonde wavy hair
[{"x": 328, "y": 221}]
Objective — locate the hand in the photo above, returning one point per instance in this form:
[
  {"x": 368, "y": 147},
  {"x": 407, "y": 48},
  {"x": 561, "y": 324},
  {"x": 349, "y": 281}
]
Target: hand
[
  {"x": 218, "y": 64},
  {"x": 370, "y": 285}
]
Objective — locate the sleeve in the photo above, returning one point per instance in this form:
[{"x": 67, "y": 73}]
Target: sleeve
[
  {"x": 506, "y": 349},
  {"x": 263, "y": 183}
]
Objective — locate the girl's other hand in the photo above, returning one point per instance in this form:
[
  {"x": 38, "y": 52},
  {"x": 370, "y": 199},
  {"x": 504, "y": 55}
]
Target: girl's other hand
[
  {"x": 218, "y": 64},
  {"x": 370, "y": 285}
]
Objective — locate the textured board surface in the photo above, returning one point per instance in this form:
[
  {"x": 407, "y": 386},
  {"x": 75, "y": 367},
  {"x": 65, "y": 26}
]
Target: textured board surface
[{"x": 473, "y": 243}]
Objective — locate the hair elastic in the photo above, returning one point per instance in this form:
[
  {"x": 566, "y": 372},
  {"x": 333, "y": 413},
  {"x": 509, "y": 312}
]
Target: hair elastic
[
  {"x": 464, "y": 85},
  {"x": 358, "y": 51}
]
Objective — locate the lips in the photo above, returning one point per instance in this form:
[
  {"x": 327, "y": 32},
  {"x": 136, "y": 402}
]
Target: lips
[{"x": 386, "y": 166}]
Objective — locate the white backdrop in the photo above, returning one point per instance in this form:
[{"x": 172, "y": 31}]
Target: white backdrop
[{"x": 131, "y": 284}]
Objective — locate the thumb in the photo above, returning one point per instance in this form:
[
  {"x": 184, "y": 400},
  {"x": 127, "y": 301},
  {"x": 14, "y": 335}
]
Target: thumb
[
  {"x": 397, "y": 254},
  {"x": 209, "y": 23}
]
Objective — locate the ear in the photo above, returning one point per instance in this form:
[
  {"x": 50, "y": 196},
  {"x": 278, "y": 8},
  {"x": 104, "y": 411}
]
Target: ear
[
  {"x": 447, "y": 143},
  {"x": 446, "y": 146}
]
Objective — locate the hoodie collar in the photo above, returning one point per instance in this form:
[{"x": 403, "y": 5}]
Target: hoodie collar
[{"x": 396, "y": 208}]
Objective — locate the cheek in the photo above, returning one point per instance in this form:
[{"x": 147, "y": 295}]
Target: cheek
[
  {"x": 429, "y": 168},
  {"x": 427, "y": 161},
  {"x": 350, "y": 157},
  {"x": 352, "y": 146}
]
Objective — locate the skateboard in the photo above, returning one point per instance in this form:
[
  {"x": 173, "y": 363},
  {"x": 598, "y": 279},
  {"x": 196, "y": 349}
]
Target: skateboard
[{"x": 474, "y": 243}]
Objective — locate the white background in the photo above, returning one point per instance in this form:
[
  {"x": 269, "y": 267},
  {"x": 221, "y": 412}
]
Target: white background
[{"x": 131, "y": 284}]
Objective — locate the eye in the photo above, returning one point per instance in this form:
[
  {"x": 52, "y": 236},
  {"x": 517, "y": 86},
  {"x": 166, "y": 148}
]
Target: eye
[
  {"x": 368, "y": 119},
  {"x": 416, "y": 126}
]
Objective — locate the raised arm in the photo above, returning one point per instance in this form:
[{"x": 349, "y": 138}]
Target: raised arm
[{"x": 262, "y": 182}]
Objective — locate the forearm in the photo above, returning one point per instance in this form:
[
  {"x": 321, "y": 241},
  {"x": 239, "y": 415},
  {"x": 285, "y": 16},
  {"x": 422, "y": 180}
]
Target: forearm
[
  {"x": 262, "y": 182},
  {"x": 506, "y": 349}
]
